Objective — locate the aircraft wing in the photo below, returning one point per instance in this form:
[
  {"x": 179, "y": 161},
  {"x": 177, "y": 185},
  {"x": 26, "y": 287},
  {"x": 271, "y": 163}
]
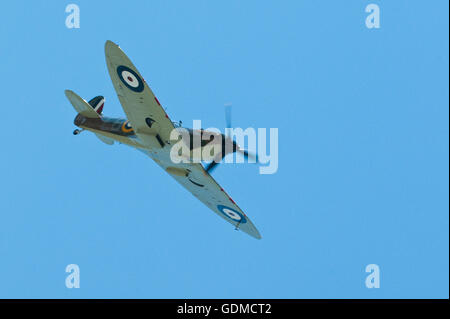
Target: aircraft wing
[
  {"x": 203, "y": 186},
  {"x": 147, "y": 117},
  {"x": 153, "y": 127}
]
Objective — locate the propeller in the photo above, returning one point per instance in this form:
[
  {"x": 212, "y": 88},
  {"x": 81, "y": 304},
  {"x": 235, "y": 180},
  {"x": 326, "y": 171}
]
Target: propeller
[
  {"x": 228, "y": 115},
  {"x": 248, "y": 155},
  {"x": 211, "y": 166}
]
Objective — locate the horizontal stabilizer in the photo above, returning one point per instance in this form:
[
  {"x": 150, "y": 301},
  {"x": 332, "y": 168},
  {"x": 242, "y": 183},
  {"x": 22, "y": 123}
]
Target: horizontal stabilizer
[{"x": 80, "y": 105}]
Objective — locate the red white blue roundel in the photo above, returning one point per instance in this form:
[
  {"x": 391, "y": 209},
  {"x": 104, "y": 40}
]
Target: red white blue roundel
[
  {"x": 130, "y": 78},
  {"x": 232, "y": 214}
]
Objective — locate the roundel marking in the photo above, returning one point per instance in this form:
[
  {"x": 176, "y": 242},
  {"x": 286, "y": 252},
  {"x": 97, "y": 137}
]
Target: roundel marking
[
  {"x": 232, "y": 214},
  {"x": 130, "y": 78},
  {"x": 126, "y": 127}
]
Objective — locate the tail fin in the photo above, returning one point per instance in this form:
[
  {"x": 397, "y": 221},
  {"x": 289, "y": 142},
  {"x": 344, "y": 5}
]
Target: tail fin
[{"x": 97, "y": 104}]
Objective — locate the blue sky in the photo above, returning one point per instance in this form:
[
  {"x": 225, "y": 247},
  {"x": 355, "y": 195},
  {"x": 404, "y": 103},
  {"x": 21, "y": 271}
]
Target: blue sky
[{"x": 363, "y": 172}]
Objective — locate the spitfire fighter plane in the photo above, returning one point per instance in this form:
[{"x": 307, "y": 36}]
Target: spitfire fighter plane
[{"x": 148, "y": 128}]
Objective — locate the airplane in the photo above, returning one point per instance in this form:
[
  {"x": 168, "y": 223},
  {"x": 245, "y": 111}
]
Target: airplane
[{"x": 148, "y": 128}]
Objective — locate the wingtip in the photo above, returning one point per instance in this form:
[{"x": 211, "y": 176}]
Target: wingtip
[
  {"x": 254, "y": 233},
  {"x": 109, "y": 43},
  {"x": 110, "y": 46}
]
